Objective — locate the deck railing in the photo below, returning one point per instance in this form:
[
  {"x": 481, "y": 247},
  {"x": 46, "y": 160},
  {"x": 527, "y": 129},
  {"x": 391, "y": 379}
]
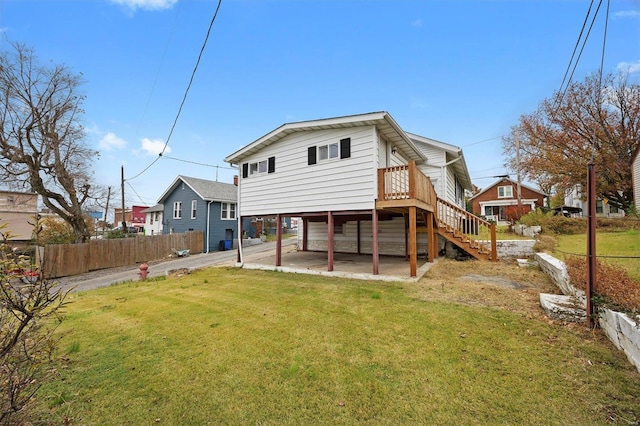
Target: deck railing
[
  {"x": 469, "y": 227},
  {"x": 404, "y": 183}
]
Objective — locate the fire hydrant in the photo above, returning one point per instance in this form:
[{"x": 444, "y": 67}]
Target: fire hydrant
[{"x": 144, "y": 270}]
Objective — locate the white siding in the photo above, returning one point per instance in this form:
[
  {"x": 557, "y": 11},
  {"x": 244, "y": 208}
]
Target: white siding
[
  {"x": 450, "y": 194},
  {"x": 296, "y": 187},
  {"x": 390, "y": 236}
]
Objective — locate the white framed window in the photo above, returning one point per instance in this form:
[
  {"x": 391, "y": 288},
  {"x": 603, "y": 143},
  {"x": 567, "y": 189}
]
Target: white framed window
[
  {"x": 258, "y": 167},
  {"x": 505, "y": 191},
  {"x": 228, "y": 211},
  {"x": 151, "y": 218},
  {"x": 194, "y": 208},
  {"x": 177, "y": 210},
  {"x": 327, "y": 152}
]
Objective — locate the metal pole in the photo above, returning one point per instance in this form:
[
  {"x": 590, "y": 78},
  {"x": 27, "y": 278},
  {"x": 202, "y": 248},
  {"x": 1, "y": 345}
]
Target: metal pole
[
  {"x": 591, "y": 244},
  {"x": 124, "y": 221}
]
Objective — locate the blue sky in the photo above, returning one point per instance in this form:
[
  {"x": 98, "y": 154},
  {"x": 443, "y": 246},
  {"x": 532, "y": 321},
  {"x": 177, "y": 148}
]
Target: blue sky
[{"x": 461, "y": 72}]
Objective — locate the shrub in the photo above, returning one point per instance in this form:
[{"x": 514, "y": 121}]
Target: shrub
[
  {"x": 555, "y": 224},
  {"x": 613, "y": 285},
  {"x": 29, "y": 313},
  {"x": 535, "y": 218},
  {"x": 545, "y": 243}
]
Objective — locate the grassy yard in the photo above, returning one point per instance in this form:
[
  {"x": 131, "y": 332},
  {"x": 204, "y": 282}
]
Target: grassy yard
[
  {"x": 227, "y": 346},
  {"x": 607, "y": 244}
]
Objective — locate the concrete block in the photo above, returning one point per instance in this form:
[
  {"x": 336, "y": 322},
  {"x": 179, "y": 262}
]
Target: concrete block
[{"x": 561, "y": 307}]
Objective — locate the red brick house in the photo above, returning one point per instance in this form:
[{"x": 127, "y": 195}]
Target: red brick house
[{"x": 495, "y": 201}]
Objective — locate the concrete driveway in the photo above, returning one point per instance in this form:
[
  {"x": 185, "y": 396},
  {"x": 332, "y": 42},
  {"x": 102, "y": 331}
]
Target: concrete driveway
[{"x": 106, "y": 277}]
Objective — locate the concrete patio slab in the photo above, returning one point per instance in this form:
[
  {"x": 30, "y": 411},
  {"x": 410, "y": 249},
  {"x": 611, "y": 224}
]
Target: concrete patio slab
[{"x": 391, "y": 268}]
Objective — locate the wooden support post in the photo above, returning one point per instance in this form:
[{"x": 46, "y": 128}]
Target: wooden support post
[
  {"x": 359, "y": 248},
  {"x": 494, "y": 247},
  {"x": 435, "y": 236},
  {"x": 305, "y": 233},
  {"x": 432, "y": 249},
  {"x": 278, "y": 240},
  {"x": 413, "y": 251},
  {"x": 375, "y": 250},
  {"x": 329, "y": 241},
  {"x": 239, "y": 257},
  {"x": 406, "y": 236}
]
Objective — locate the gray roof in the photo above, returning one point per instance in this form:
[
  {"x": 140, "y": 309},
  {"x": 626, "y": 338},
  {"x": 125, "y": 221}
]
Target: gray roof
[
  {"x": 208, "y": 190},
  {"x": 156, "y": 208},
  {"x": 382, "y": 120}
]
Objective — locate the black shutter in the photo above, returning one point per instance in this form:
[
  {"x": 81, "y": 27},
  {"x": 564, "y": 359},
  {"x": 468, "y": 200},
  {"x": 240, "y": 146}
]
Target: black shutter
[
  {"x": 272, "y": 165},
  {"x": 345, "y": 148},
  {"x": 311, "y": 155},
  {"x": 245, "y": 170}
]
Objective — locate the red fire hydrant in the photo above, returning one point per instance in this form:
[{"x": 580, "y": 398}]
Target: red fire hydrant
[{"x": 144, "y": 270}]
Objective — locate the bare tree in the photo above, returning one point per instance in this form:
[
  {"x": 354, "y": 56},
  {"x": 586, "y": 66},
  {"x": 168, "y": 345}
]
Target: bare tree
[
  {"x": 42, "y": 143},
  {"x": 588, "y": 121}
]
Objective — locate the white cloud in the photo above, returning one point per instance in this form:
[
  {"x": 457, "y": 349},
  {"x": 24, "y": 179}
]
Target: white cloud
[
  {"x": 629, "y": 67},
  {"x": 146, "y": 4},
  {"x": 111, "y": 141},
  {"x": 153, "y": 147},
  {"x": 627, "y": 14},
  {"x": 417, "y": 23}
]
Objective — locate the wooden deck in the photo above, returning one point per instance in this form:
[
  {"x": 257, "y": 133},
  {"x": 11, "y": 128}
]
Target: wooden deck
[{"x": 406, "y": 190}]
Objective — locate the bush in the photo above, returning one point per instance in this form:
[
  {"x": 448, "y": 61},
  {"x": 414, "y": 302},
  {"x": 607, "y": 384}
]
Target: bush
[
  {"x": 555, "y": 224},
  {"x": 29, "y": 313},
  {"x": 545, "y": 243},
  {"x": 614, "y": 286}
]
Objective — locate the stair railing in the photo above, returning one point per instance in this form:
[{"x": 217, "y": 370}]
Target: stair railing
[{"x": 468, "y": 227}]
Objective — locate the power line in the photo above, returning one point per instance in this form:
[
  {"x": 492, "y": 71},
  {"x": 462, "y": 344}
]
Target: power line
[
  {"x": 199, "y": 164},
  {"x": 184, "y": 98},
  {"x": 482, "y": 141},
  {"x": 584, "y": 43},
  {"x": 575, "y": 48}
]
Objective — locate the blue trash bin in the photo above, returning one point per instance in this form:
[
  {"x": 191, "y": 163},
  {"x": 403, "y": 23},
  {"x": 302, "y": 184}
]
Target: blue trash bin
[{"x": 227, "y": 244}]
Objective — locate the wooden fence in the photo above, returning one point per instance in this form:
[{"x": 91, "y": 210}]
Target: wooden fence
[{"x": 61, "y": 260}]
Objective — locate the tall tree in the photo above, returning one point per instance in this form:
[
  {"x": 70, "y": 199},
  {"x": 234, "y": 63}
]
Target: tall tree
[
  {"x": 42, "y": 143},
  {"x": 587, "y": 121}
]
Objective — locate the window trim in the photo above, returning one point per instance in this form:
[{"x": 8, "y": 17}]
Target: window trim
[
  {"x": 229, "y": 210},
  {"x": 329, "y": 151},
  {"x": 259, "y": 167},
  {"x": 177, "y": 209},
  {"x": 504, "y": 192},
  {"x": 194, "y": 208}
]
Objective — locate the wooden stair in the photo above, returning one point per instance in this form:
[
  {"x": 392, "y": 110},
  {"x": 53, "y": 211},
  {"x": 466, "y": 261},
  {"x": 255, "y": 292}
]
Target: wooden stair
[{"x": 470, "y": 233}]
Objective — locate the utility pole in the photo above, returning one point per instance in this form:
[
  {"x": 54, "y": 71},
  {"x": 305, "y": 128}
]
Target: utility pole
[
  {"x": 519, "y": 191},
  {"x": 106, "y": 209},
  {"x": 124, "y": 221}
]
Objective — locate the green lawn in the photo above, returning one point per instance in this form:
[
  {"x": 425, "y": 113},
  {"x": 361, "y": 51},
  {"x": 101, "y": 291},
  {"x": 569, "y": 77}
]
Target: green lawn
[
  {"x": 624, "y": 244},
  {"x": 227, "y": 346}
]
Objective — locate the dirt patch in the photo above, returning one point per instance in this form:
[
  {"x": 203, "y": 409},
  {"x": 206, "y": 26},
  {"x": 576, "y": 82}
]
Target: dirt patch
[
  {"x": 502, "y": 284},
  {"x": 499, "y": 281}
]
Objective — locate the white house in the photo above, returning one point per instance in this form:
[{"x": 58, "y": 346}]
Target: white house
[
  {"x": 576, "y": 197},
  {"x": 153, "y": 220},
  {"x": 359, "y": 183}
]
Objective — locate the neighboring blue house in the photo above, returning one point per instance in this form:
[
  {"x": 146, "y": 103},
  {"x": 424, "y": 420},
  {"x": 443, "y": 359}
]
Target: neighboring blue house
[{"x": 192, "y": 204}]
